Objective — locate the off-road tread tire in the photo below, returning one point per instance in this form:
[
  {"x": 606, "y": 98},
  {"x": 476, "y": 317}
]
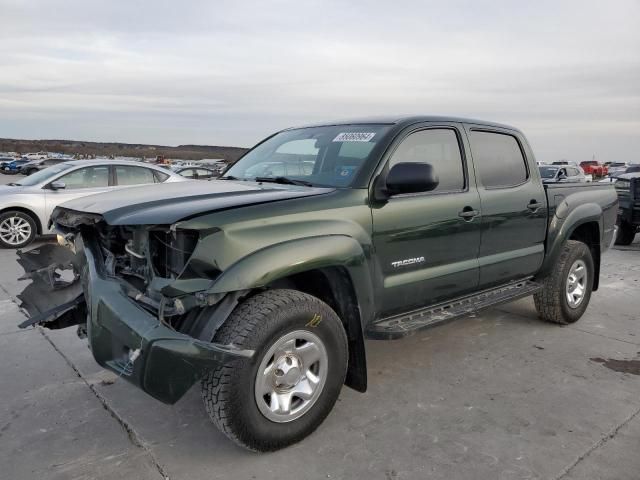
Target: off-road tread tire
[
  {"x": 626, "y": 234},
  {"x": 551, "y": 301},
  {"x": 245, "y": 328},
  {"x": 28, "y": 218}
]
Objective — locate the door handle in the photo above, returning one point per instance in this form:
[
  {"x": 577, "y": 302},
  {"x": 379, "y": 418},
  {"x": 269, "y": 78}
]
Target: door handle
[
  {"x": 468, "y": 213},
  {"x": 534, "y": 205}
]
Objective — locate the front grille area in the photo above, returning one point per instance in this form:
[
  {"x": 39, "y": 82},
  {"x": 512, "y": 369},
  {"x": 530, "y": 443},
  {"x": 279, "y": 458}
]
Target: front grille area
[{"x": 170, "y": 251}]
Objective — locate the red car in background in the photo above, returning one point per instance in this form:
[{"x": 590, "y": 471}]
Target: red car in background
[{"x": 593, "y": 168}]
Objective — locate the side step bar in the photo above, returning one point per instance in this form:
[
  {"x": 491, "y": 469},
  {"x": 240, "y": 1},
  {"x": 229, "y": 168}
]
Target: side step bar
[{"x": 406, "y": 323}]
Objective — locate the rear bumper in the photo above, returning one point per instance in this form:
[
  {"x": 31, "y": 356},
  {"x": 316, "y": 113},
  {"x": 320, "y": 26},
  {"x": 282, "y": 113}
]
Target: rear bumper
[{"x": 133, "y": 343}]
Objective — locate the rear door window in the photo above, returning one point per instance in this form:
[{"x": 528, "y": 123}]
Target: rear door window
[
  {"x": 498, "y": 159},
  {"x": 130, "y": 175}
]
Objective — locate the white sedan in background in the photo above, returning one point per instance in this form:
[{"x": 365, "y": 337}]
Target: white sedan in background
[{"x": 26, "y": 205}]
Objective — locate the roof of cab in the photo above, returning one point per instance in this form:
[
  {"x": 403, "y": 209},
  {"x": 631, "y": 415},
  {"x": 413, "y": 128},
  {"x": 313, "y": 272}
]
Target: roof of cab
[{"x": 407, "y": 120}]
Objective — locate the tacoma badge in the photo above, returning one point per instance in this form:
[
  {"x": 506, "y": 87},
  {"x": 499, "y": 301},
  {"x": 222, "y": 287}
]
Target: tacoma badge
[{"x": 407, "y": 261}]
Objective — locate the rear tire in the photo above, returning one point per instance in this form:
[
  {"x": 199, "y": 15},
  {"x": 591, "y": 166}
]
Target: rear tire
[
  {"x": 300, "y": 358},
  {"x": 17, "y": 229},
  {"x": 626, "y": 234},
  {"x": 566, "y": 291}
]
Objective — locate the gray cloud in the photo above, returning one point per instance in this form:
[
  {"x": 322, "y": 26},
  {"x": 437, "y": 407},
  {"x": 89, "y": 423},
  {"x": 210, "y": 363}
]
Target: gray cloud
[{"x": 567, "y": 73}]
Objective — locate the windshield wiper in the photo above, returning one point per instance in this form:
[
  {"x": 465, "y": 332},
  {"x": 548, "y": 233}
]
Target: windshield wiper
[
  {"x": 284, "y": 180},
  {"x": 228, "y": 177},
  {"x": 13, "y": 184}
]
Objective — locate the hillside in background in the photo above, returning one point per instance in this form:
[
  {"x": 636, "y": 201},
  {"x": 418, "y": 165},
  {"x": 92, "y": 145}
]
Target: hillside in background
[{"x": 187, "y": 152}]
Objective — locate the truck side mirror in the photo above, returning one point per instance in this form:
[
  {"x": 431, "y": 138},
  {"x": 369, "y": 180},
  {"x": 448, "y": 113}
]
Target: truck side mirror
[{"x": 411, "y": 177}]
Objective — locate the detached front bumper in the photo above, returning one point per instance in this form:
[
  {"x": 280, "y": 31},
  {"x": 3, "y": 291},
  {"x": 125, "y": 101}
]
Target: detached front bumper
[{"x": 130, "y": 341}]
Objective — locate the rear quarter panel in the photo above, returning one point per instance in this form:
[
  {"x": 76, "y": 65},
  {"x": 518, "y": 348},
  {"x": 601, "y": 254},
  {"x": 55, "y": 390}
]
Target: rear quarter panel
[{"x": 571, "y": 205}]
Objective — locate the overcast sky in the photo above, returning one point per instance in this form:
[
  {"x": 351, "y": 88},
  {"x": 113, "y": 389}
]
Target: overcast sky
[{"x": 231, "y": 72}]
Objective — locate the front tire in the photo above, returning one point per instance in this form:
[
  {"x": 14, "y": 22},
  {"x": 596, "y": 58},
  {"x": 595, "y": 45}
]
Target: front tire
[
  {"x": 17, "y": 229},
  {"x": 566, "y": 291},
  {"x": 626, "y": 234},
  {"x": 289, "y": 386}
]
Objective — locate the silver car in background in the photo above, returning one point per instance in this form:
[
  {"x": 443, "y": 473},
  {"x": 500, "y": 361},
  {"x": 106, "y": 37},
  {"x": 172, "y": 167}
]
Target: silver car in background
[
  {"x": 562, "y": 174},
  {"x": 26, "y": 205}
]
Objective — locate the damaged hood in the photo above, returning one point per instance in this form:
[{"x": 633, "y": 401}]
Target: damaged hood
[{"x": 167, "y": 203}]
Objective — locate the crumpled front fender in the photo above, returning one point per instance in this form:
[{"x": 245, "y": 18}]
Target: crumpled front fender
[{"x": 269, "y": 264}]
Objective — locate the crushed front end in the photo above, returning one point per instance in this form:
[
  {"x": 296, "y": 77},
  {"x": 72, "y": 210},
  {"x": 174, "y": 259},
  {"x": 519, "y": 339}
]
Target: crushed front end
[{"x": 137, "y": 295}]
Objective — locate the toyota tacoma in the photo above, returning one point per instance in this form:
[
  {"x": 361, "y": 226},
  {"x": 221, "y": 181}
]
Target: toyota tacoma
[{"x": 263, "y": 285}]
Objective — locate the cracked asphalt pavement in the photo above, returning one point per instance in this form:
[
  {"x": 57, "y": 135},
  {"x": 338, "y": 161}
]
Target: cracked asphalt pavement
[{"x": 499, "y": 395}]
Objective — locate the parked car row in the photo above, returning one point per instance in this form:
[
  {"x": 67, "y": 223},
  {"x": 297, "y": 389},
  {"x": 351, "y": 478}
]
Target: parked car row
[
  {"x": 4, "y": 161},
  {"x": 26, "y": 205},
  {"x": 591, "y": 170},
  {"x": 10, "y": 166},
  {"x": 37, "y": 165},
  {"x": 13, "y": 166}
]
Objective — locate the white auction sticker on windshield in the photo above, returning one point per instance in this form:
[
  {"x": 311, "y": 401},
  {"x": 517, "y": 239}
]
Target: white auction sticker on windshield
[{"x": 354, "y": 137}]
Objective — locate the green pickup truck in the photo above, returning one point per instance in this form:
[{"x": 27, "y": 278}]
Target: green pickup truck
[{"x": 264, "y": 284}]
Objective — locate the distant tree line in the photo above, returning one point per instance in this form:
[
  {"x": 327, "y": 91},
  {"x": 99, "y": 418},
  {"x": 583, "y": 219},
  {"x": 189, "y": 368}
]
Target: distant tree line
[{"x": 73, "y": 147}]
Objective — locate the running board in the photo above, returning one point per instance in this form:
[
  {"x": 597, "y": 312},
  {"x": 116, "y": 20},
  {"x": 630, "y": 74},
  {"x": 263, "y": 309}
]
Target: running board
[{"x": 406, "y": 323}]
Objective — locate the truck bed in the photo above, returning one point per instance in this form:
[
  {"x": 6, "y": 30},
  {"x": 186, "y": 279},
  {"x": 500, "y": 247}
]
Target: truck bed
[{"x": 601, "y": 193}]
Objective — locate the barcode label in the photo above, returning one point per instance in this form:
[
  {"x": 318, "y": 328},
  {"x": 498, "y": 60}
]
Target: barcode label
[{"x": 354, "y": 137}]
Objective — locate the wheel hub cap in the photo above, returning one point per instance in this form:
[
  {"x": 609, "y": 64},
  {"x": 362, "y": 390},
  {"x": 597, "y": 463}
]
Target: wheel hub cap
[
  {"x": 576, "y": 283},
  {"x": 291, "y": 376},
  {"x": 15, "y": 230},
  {"x": 287, "y": 371}
]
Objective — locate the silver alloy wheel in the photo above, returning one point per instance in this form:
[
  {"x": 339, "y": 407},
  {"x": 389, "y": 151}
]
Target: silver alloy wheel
[
  {"x": 291, "y": 376},
  {"x": 576, "y": 283},
  {"x": 15, "y": 230}
]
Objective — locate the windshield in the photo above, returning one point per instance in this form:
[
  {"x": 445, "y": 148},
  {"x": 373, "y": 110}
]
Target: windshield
[
  {"x": 43, "y": 175},
  {"x": 325, "y": 156},
  {"x": 548, "y": 172}
]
